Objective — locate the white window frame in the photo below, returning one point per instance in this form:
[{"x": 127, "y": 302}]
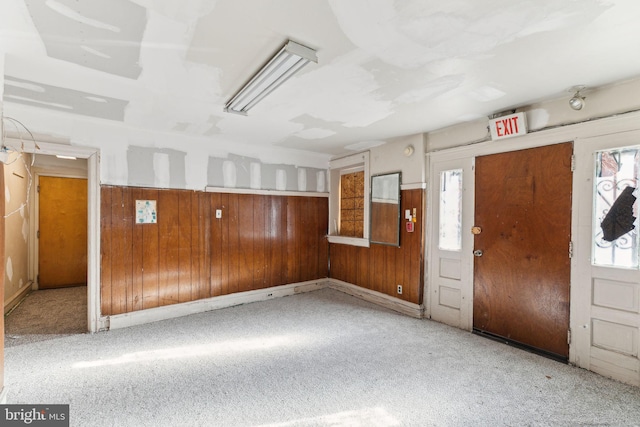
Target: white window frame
[{"x": 337, "y": 168}]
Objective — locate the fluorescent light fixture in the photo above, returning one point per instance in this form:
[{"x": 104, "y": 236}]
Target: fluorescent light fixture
[
  {"x": 289, "y": 60},
  {"x": 60, "y": 156}
]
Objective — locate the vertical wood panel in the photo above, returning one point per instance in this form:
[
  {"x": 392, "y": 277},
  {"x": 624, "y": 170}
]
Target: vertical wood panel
[
  {"x": 278, "y": 239},
  {"x": 293, "y": 263},
  {"x": 245, "y": 232},
  {"x": 119, "y": 253},
  {"x": 216, "y": 246},
  {"x": 107, "y": 252},
  {"x": 224, "y": 244},
  {"x": 185, "y": 245},
  {"x": 322, "y": 207},
  {"x": 137, "y": 255},
  {"x": 260, "y": 241},
  {"x": 204, "y": 220},
  {"x": 169, "y": 247},
  {"x": 150, "y": 256},
  {"x": 196, "y": 236},
  {"x": 381, "y": 268},
  {"x": 235, "y": 255}
]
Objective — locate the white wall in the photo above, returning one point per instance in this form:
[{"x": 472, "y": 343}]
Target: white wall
[
  {"x": 17, "y": 181},
  {"x": 601, "y": 102},
  {"x": 390, "y": 157}
]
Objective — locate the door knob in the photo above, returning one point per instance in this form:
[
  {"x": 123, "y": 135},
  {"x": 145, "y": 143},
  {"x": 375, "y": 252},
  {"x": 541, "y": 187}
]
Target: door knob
[{"x": 477, "y": 252}]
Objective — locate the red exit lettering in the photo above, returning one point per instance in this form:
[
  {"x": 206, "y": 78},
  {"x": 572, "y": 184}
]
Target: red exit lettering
[{"x": 507, "y": 126}]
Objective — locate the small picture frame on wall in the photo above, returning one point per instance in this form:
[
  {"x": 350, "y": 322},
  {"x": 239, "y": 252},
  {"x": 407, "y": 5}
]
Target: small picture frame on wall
[{"x": 146, "y": 212}]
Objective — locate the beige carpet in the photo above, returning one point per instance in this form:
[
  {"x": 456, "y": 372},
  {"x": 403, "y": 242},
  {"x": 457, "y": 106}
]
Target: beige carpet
[
  {"x": 47, "y": 314},
  {"x": 323, "y": 359}
]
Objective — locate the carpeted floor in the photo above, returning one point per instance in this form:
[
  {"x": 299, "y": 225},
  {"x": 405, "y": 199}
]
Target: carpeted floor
[
  {"x": 47, "y": 314},
  {"x": 318, "y": 359}
]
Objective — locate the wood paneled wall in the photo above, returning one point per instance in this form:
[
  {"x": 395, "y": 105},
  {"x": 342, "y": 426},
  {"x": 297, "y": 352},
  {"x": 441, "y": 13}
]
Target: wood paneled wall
[
  {"x": 382, "y": 268},
  {"x": 260, "y": 241}
]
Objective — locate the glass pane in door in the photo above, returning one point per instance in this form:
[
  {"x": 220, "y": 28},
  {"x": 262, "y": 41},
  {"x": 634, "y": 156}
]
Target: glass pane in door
[
  {"x": 615, "y": 227},
  {"x": 450, "y": 210}
]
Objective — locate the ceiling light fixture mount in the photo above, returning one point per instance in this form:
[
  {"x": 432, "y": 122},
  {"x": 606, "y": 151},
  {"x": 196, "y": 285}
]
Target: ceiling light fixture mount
[
  {"x": 577, "y": 101},
  {"x": 289, "y": 60}
]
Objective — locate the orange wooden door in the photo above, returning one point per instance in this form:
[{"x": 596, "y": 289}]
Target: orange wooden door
[
  {"x": 522, "y": 275},
  {"x": 62, "y": 245}
]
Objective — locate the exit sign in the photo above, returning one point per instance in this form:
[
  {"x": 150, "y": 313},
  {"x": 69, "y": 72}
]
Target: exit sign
[{"x": 508, "y": 126}]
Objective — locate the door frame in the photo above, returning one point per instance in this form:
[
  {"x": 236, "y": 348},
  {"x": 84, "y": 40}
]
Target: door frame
[
  {"x": 92, "y": 155},
  {"x": 569, "y": 133}
]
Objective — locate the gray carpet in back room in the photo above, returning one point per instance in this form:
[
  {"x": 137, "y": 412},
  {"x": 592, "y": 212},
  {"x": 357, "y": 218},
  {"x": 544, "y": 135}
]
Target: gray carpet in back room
[
  {"x": 47, "y": 314},
  {"x": 317, "y": 359}
]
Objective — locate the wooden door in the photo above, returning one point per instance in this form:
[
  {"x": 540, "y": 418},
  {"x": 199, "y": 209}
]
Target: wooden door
[
  {"x": 62, "y": 243},
  {"x": 522, "y": 265}
]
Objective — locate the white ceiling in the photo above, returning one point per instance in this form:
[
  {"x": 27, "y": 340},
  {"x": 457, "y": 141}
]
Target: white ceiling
[{"x": 386, "y": 68}]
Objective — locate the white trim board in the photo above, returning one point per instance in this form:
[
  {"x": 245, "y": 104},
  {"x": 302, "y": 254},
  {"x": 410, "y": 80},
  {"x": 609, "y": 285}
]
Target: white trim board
[
  {"x": 264, "y": 192},
  {"x": 414, "y": 186},
  {"x": 378, "y": 298},
  {"x": 200, "y": 306}
]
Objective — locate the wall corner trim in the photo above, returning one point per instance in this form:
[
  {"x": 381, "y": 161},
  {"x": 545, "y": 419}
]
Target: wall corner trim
[
  {"x": 378, "y": 298},
  {"x": 3, "y": 396}
]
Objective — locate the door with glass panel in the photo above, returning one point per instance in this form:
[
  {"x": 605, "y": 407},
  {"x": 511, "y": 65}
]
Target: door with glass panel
[
  {"x": 605, "y": 294},
  {"x": 450, "y": 274}
]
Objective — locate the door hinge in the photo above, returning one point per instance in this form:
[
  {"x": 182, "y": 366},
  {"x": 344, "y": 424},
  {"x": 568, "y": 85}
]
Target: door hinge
[
  {"x": 573, "y": 163},
  {"x": 569, "y": 336},
  {"x": 570, "y": 249},
  {"x": 38, "y": 188},
  {"x": 38, "y": 234}
]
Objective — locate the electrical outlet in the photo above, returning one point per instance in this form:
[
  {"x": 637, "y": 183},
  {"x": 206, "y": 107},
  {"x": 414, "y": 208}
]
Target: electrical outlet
[
  {"x": 399, "y": 289},
  {"x": 218, "y": 213}
]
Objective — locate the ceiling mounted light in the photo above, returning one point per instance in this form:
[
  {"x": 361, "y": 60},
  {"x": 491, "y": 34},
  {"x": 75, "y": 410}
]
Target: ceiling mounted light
[
  {"x": 290, "y": 59},
  {"x": 577, "y": 102}
]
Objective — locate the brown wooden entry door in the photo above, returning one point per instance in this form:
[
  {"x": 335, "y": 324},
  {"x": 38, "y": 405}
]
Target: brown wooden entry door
[
  {"x": 522, "y": 274},
  {"x": 62, "y": 245}
]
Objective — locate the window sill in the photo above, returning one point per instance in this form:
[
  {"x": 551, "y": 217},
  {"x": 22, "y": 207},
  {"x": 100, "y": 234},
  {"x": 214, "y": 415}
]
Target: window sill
[{"x": 353, "y": 241}]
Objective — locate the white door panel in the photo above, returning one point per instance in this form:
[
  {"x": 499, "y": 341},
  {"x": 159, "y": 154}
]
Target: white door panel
[
  {"x": 605, "y": 299},
  {"x": 449, "y": 282}
]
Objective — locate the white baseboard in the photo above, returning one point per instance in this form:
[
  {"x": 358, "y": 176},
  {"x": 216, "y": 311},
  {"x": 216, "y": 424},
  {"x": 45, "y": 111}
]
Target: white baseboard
[
  {"x": 200, "y": 306},
  {"x": 184, "y": 309},
  {"x": 378, "y": 298}
]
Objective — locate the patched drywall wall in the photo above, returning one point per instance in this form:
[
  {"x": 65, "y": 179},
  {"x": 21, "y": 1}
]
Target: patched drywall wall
[
  {"x": 405, "y": 154},
  {"x": 149, "y": 167},
  {"x": 17, "y": 179},
  {"x": 250, "y": 173}
]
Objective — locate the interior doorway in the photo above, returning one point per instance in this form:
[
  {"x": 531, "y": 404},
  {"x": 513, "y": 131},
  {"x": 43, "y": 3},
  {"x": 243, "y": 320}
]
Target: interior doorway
[{"x": 57, "y": 210}]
